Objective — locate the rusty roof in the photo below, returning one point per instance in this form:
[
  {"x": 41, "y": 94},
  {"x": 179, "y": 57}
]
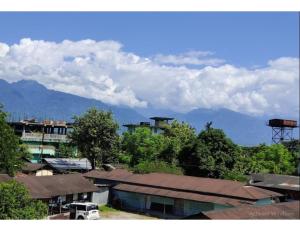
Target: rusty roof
[
  {"x": 31, "y": 167},
  {"x": 115, "y": 175},
  {"x": 286, "y": 210},
  {"x": 5, "y": 177},
  {"x": 181, "y": 195},
  {"x": 191, "y": 184},
  {"x": 51, "y": 186}
]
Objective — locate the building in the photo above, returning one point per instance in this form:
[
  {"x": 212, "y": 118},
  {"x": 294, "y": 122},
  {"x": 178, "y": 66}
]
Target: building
[
  {"x": 58, "y": 190},
  {"x": 287, "y": 185},
  {"x": 159, "y": 125},
  {"x": 43, "y": 138},
  {"x": 37, "y": 169},
  {"x": 174, "y": 196},
  {"x": 285, "y": 210}
]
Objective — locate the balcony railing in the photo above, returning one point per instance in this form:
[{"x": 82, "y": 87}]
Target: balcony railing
[{"x": 47, "y": 137}]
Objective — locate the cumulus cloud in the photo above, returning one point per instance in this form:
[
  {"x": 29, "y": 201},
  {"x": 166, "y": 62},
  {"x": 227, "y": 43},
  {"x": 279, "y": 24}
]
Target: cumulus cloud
[
  {"x": 189, "y": 58},
  {"x": 103, "y": 71}
]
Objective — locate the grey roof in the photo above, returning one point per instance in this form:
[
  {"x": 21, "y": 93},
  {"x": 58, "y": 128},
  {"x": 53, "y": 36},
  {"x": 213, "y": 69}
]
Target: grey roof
[
  {"x": 275, "y": 181},
  {"x": 64, "y": 164}
]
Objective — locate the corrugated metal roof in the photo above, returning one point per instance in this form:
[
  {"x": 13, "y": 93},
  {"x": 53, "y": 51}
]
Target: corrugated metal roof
[
  {"x": 286, "y": 210},
  {"x": 63, "y": 164},
  {"x": 181, "y": 195},
  {"x": 187, "y": 183},
  {"x": 276, "y": 181},
  {"x": 5, "y": 177},
  {"x": 31, "y": 167},
  {"x": 51, "y": 186}
]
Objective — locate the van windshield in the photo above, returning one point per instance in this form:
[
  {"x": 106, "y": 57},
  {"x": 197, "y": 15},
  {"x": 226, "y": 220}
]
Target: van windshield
[{"x": 92, "y": 207}]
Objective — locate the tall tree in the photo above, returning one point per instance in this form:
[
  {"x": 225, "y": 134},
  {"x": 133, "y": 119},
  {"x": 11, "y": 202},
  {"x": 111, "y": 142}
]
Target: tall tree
[
  {"x": 15, "y": 203},
  {"x": 11, "y": 151},
  {"x": 177, "y": 135},
  {"x": 95, "y": 135},
  {"x": 212, "y": 154},
  {"x": 142, "y": 145}
]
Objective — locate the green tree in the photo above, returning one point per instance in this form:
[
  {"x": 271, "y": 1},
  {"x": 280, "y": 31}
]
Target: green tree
[
  {"x": 156, "y": 166},
  {"x": 95, "y": 135},
  {"x": 211, "y": 155},
  {"x": 11, "y": 151},
  {"x": 177, "y": 135},
  {"x": 273, "y": 159},
  {"x": 142, "y": 145},
  {"x": 66, "y": 150},
  {"x": 15, "y": 203}
]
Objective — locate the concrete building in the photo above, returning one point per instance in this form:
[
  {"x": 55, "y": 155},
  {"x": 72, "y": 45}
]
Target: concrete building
[
  {"x": 158, "y": 127},
  {"x": 174, "y": 196},
  {"x": 43, "y": 138}
]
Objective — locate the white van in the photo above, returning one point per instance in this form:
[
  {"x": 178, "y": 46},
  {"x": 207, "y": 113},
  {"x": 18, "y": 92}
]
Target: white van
[{"x": 84, "y": 211}]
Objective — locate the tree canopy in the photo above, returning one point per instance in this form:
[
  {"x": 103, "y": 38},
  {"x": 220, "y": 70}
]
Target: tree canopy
[
  {"x": 95, "y": 135},
  {"x": 11, "y": 152},
  {"x": 15, "y": 203}
]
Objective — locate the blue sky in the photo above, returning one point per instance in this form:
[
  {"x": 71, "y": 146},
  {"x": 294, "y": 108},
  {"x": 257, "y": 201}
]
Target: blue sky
[
  {"x": 242, "y": 39},
  {"x": 246, "y": 62}
]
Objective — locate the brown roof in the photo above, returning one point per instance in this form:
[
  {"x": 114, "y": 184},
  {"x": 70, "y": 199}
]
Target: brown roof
[
  {"x": 4, "y": 177},
  {"x": 51, "y": 186},
  {"x": 286, "y": 210},
  {"x": 181, "y": 195},
  {"x": 115, "y": 175},
  {"x": 32, "y": 167},
  {"x": 186, "y": 183}
]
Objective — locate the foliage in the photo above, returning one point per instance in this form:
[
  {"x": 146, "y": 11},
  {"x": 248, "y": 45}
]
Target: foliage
[
  {"x": 11, "y": 151},
  {"x": 95, "y": 135},
  {"x": 65, "y": 150},
  {"x": 156, "y": 166},
  {"x": 142, "y": 145},
  {"x": 177, "y": 135},
  {"x": 105, "y": 208},
  {"x": 211, "y": 155},
  {"x": 15, "y": 203},
  {"x": 273, "y": 159}
]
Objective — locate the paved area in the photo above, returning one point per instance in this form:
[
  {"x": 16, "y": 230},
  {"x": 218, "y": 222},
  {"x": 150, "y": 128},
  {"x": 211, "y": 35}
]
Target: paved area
[{"x": 122, "y": 215}]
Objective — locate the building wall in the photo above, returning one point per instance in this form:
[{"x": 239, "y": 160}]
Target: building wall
[
  {"x": 176, "y": 207},
  {"x": 101, "y": 197}
]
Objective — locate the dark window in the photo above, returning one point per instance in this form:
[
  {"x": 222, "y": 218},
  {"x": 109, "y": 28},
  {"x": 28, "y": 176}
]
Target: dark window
[
  {"x": 81, "y": 207},
  {"x": 161, "y": 207},
  {"x": 92, "y": 207}
]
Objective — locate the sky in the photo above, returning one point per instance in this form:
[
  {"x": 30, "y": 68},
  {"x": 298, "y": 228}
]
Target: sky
[{"x": 246, "y": 62}]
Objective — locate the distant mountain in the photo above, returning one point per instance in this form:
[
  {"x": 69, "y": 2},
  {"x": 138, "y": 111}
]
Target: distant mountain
[{"x": 31, "y": 99}]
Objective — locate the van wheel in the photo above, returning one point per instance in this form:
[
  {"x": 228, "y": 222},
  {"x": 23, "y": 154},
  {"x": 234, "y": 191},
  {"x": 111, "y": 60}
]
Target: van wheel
[{"x": 80, "y": 218}]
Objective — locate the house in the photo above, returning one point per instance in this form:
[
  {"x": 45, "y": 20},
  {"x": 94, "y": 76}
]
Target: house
[
  {"x": 60, "y": 189},
  {"x": 63, "y": 165},
  {"x": 285, "y": 210},
  {"x": 43, "y": 137},
  {"x": 37, "y": 169},
  {"x": 284, "y": 184},
  {"x": 174, "y": 196}
]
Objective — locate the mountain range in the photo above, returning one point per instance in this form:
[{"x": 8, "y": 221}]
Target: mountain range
[{"x": 29, "y": 99}]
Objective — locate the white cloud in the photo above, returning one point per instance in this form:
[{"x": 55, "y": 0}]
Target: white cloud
[
  {"x": 102, "y": 70},
  {"x": 189, "y": 58}
]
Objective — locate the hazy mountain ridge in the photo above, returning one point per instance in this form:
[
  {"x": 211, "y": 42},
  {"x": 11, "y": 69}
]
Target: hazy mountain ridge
[{"x": 29, "y": 98}]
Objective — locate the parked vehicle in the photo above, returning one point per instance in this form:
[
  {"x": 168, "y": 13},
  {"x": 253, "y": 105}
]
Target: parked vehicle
[{"x": 84, "y": 211}]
